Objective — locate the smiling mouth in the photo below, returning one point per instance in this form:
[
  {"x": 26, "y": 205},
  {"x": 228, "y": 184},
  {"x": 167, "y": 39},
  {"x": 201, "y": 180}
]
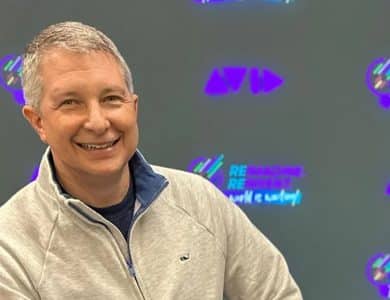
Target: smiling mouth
[{"x": 92, "y": 147}]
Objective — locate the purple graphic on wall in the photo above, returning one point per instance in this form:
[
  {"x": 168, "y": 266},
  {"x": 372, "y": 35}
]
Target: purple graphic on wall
[
  {"x": 10, "y": 76},
  {"x": 387, "y": 190},
  {"x": 378, "y": 81},
  {"x": 34, "y": 174},
  {"x": 209, "y": 168},
  {"x": 252, "y": 184},
  {"x": 378, "y": 273},
  {"x": 231, "y": 80}
]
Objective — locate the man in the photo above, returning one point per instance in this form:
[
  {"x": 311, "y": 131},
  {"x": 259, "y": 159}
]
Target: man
[{"x": 100, "y": 222}]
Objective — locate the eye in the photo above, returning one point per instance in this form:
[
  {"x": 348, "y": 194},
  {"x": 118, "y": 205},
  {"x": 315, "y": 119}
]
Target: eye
[
  {"x": 113, "y": 99},
  {"x": 68, "y": 102}
]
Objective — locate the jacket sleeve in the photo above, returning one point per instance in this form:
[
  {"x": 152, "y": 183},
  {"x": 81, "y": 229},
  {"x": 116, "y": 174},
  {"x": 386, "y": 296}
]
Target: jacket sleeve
[
  {"x": 15, "y": 284},
  {"x": 255, "y": 269}
]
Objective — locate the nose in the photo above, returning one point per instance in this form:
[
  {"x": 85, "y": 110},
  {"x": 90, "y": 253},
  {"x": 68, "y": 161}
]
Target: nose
[{"x": 96, "y": 119}]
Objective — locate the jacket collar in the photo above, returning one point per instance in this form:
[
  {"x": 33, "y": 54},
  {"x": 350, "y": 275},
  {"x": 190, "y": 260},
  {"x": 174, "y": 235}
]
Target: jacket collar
[{"x": 148, "y": 183}]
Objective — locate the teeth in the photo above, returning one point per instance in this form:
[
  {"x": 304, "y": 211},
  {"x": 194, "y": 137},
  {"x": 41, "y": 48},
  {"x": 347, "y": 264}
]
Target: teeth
[{"x": 96, "y": 147}]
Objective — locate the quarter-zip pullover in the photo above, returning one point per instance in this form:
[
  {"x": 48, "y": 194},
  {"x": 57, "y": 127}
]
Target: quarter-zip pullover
[{"x": 187, "y": 241}]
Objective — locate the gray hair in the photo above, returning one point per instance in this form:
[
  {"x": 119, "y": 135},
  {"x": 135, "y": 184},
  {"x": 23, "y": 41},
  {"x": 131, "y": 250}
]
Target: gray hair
[{"x": 73, "y": 36}]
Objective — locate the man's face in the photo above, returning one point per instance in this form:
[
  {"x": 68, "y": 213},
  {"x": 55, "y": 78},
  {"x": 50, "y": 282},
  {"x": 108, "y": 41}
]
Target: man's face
[{"x": 87, "y": 114}]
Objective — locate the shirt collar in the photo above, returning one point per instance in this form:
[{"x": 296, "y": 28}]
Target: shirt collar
[{"x": 148, "y": 183}]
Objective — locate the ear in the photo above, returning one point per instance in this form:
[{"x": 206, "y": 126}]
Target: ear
[
  {"x": 135, "y": 99},
  {"x": 35, "y": 120}
]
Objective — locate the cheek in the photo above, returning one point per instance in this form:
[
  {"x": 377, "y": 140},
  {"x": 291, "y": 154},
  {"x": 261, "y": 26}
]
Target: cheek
[
  {"x": 131, "y": 134},
  {"x": 133, "y": 131},
  {"x": 126, "y": 121},
  {"x": 60, "y": 131}
]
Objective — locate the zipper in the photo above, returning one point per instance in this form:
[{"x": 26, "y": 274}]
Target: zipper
[
  {"x": 136, "y": 216},
  {"x": 133, "y": 274},
  {"x": 129, "y": 265},
  {"x": 131, "y": 269},
  {"x": 139, "y": 213}
]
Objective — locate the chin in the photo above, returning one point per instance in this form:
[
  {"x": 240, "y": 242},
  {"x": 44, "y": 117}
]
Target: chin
[{"x": 109, "y": 170}]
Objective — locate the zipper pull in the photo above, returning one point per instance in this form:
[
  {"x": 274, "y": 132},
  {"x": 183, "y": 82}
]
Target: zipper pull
[{"x": 130, "y": 268}]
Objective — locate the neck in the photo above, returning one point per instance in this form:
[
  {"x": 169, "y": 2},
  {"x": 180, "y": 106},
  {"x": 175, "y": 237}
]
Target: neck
[{"x": 97, "y": 191}]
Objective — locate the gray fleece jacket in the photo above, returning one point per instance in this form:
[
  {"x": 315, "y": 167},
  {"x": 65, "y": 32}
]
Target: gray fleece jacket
[{"x": 187, "y": 242}]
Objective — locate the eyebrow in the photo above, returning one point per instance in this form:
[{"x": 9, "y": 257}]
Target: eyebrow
[
  {"x": 59, "y": 93},
  {"x": 114, "y": 89},
  {"x": 117, "y": 89}
]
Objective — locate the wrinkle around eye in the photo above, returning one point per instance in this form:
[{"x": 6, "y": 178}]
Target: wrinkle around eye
[
  {"x": 68, "y": 102},
  {"x": 112, "y": 98}
]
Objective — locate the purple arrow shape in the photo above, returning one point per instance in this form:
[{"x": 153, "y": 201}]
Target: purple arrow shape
[
  {"x": 234, "y": 77},
  {"x": 216, "y": 85},
  {"x": 256, "y": 81},
  {"x": 265, "y": 82},
  {"x": 271, "y": 81}
]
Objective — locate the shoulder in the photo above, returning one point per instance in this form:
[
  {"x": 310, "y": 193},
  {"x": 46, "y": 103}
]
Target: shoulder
[
  {"x": 15, "y": 209},
  {"x": 26, "y": 222},
  {"x": 180, "y": 177},
  {"x": 26, "y": 202},
  {"x": 187, "y": 188},
  {"x": 200, "y": 199}
]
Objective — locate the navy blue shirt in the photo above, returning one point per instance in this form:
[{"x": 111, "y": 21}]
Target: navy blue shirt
[{"x": 120, "y": 214}]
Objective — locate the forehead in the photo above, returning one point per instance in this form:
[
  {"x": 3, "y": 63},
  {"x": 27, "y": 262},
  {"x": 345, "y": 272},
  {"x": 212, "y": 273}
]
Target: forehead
[
  {"x": 64, "y": 59},
  {"x": 61, "y": 67}
]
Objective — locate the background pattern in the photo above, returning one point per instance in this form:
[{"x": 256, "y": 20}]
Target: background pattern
[{"x": 323, "y": 117}]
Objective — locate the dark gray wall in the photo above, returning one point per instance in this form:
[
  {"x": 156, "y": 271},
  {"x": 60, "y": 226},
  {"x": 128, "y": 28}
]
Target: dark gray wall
[{"x": 323, "y": 117}]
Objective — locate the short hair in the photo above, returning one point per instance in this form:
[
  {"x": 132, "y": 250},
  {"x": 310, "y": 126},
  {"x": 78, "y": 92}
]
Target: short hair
[{"x": 74, "y": 36}]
